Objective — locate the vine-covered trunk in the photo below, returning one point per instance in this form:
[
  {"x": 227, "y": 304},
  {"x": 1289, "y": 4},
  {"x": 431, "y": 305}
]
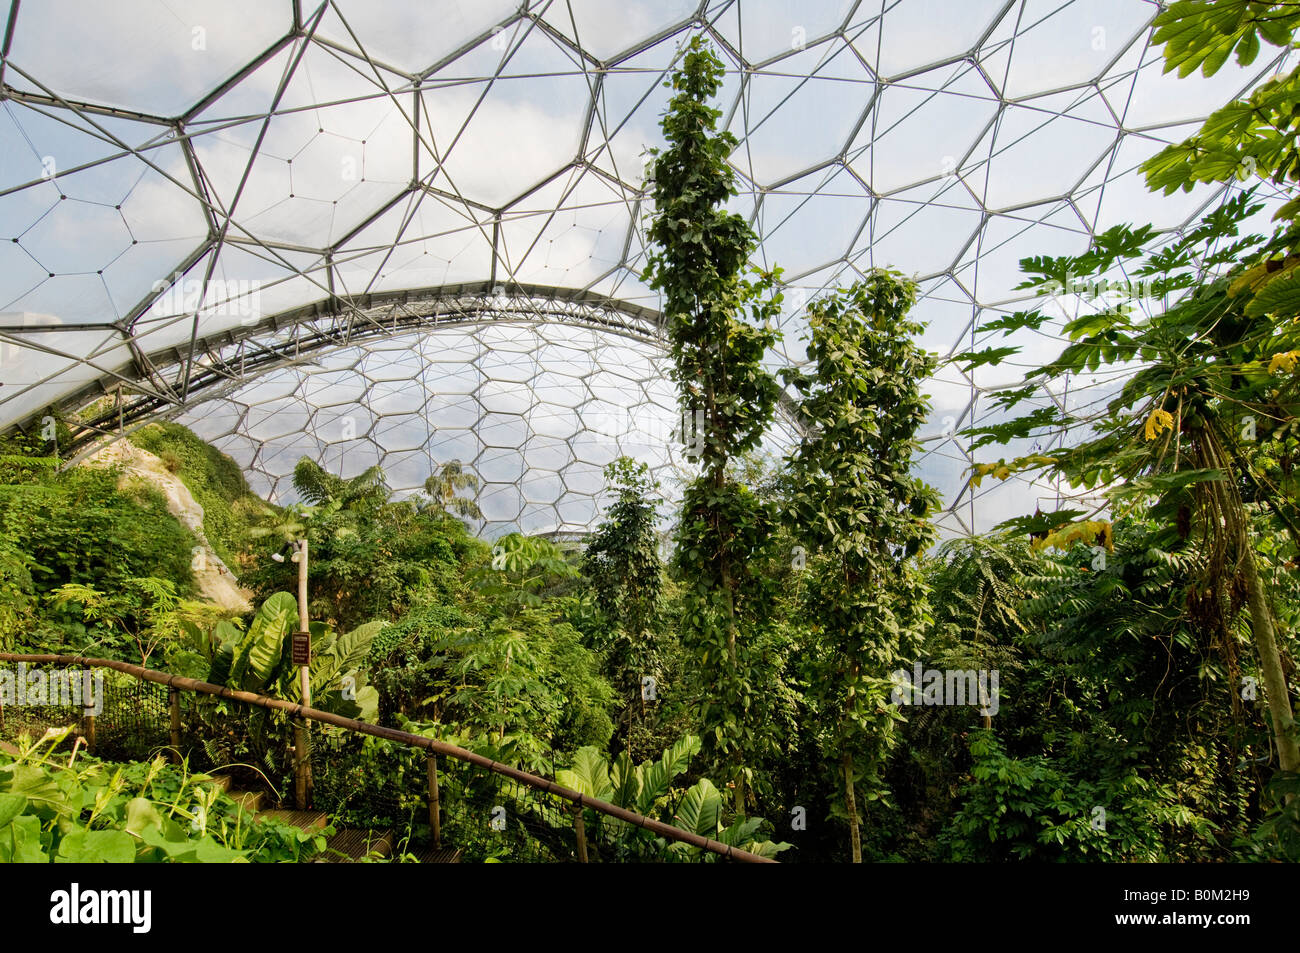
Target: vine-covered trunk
[
  {"x": 851, "y": 805},
  {"x": 1270, "y": 666},
  {"x": 718, "y": 477},
  {"x": 1237, "y": 524},
  {"x": 631, "y": 709}
]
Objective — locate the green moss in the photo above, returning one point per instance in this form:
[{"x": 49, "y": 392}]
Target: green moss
[{"x": 216, "y": 481}]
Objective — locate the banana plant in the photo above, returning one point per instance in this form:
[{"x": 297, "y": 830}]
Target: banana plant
[
  {"x": 257, "y": 660},
  {"x": 250, "y": 663},
  {"x": 336, "y": 673}
]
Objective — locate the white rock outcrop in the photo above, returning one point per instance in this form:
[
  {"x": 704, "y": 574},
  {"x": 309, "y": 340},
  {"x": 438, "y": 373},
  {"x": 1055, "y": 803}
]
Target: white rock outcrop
[{"x": 216, "y": 582}]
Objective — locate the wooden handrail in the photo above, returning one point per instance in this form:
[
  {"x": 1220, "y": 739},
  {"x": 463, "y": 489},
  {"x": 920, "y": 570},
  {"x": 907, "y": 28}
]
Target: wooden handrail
[{"x": 404, "y": 737}]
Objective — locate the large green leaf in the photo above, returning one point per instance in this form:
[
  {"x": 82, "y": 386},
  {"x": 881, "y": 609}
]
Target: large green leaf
[
  {"x": 766, "y": 848},
  {"x": 363, "y": 705},
  {"x": 210, "y": 852},
  {"x": 225, "y": 639},
  {"x": 262, "y": 648},
  {"x": 656, "y": 776},
  {"x": 741, "y": 832},
  {"x": 47, "y": 797},
  {"x": 11, "y": 805},
  {"x": 20, "y": 842},
  {"x": 700, "y": 810},
  {"x": 140, "y": 814},
  {"x": 626, "y": 781},
  {"x": 96, "y": 847},
  {"x": 1280, "y": 297},
  {"x": 171, "y": 840},
  {"x": 589, "y": 774},
  {"x": 351, "y": 649}
]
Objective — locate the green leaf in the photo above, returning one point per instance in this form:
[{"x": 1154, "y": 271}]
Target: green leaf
[
  {"x": 225, "y": 639},
  {"x": 11, "y": 805},
  {"x": 262, "y": 647},
  {"x": 1039, "y": 523},
  {"x": 172, "y": 841},
  {"x": 990, "y": 355},
  {"x": 97, "y": 847},
  {"x": 700, "y": 810},
  {"x": 656, "y": 777},
  {"x": 20, "y": 842},
  {"x": 626, "y": 781},
  {"x": 1248, "y": 50},
  {"x": 352, "y": 649},
  {"x": 141, "y": 813},
  {"x": 589, "y": 774},
  {"x": 1280, "y": 297},
  {"x": 767, "y": 848},
  {"x": 210, "y": 852}
]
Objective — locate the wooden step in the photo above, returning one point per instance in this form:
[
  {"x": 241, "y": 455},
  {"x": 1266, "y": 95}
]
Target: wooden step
[
  {"x": 250, "y": 801},
  {"x": 437, "y": 855},
  {"x": 306, "y": 820},
  {"x": 349, "y": 846},
  {"x": 220, "y": 780}
]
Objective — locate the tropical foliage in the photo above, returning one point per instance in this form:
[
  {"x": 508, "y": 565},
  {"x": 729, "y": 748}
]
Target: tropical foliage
[
  {"x": 88, "y": 811},
  {"x": 740, "y": 682}
]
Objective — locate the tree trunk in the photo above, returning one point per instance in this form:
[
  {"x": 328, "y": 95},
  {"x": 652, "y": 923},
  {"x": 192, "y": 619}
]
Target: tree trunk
[
  {"x": 1270, "y": 665},
  {"x": 631, "y": 708},
  {"x": 1261, "y": 617},
  {"x": 851, "y": 804}
]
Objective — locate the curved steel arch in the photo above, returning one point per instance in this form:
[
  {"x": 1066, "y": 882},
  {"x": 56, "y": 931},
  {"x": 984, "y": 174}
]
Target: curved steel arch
[{"x": 226, "y": 361}]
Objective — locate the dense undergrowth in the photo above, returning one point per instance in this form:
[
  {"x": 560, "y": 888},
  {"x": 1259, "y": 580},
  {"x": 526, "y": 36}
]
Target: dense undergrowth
[{"x": 73, "y": 808}]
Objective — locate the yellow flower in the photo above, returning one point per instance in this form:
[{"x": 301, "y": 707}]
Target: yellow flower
[
  {"x": 1284, "y": 362},
  {"x": 1158, "y": 421}
]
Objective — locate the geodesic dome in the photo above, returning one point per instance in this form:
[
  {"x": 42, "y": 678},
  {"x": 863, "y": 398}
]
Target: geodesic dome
[{"x": 404, "y": 232}]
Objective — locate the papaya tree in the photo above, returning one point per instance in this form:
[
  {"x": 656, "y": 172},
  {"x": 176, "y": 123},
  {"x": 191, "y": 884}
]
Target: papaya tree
[
  {"x": 855, "y": 504},
  {"x": 1191, "y": 434},
  {"x": 718, "y": 311}
]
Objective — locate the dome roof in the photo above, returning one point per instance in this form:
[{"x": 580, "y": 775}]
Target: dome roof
[{"x": 253, "y": 215}]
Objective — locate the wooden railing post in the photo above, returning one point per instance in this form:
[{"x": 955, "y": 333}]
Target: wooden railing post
[
  {"x": 301, "y": 763},
  {"x": 580, "y": 826},
  {"x": 301, "y": 735},
  {"x": 435, "y": 812},
  {"x": 174, "y": 704}
]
